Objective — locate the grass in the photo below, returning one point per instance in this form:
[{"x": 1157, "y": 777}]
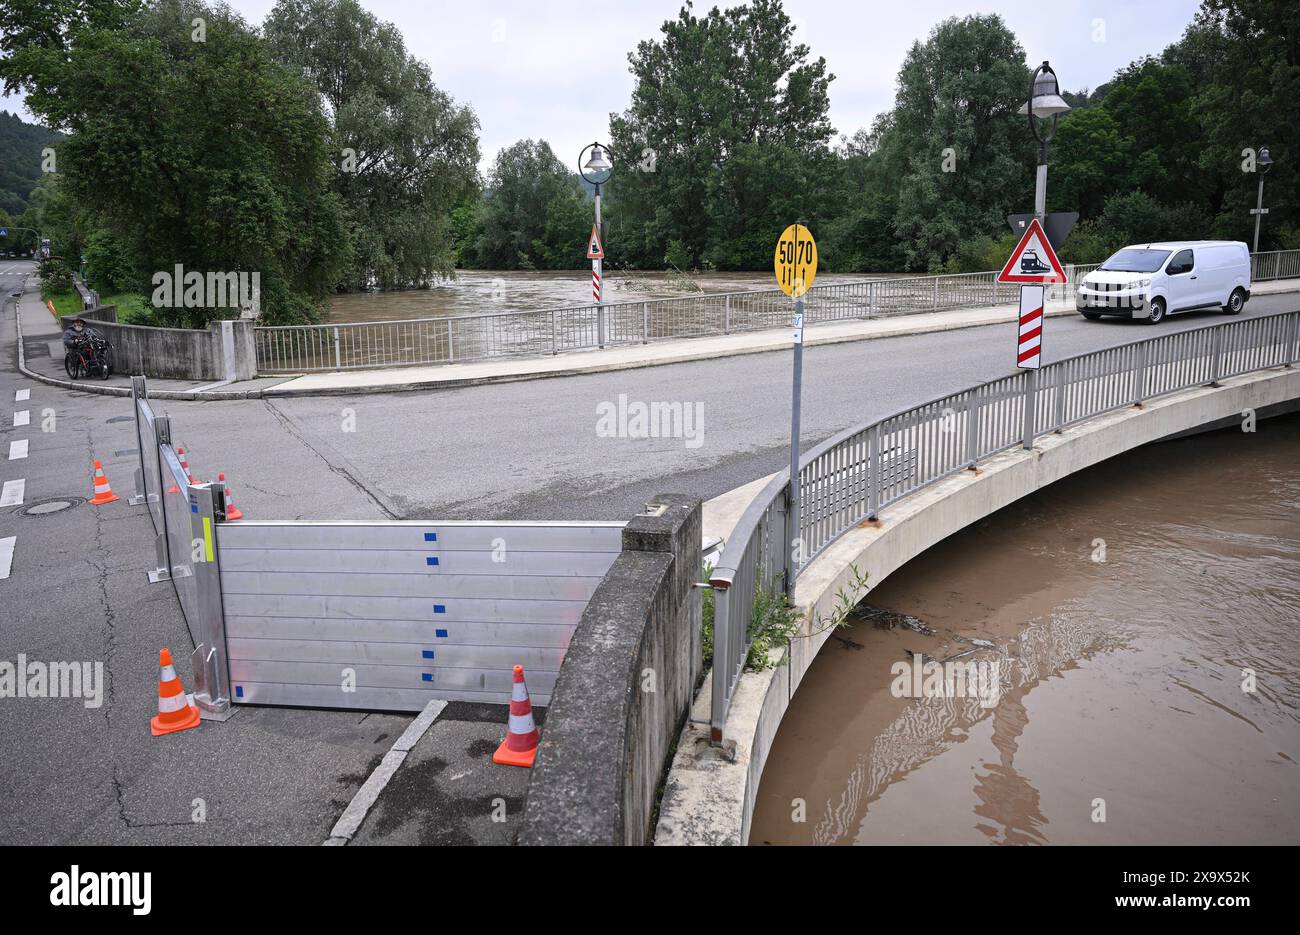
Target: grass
[{"x": 131, "y": 307}]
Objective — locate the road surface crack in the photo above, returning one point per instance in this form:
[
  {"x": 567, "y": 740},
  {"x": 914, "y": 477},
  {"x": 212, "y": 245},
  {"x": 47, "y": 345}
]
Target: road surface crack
[{"x": 293, "y": 429}]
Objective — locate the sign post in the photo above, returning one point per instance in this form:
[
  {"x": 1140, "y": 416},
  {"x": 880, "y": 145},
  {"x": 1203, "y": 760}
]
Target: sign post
[
  {"x": 795, "y": 266},
  {"x": 1033, "y": 264}
]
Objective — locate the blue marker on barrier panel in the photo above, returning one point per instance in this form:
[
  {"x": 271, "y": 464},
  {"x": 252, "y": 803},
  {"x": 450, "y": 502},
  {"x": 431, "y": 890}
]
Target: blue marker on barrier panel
[
  {"x": 440, "y": 633},
  {"x": 431, "y": 560},
  {"x": 439, "y": 608},
  {"x": 427, "y": 653},
  {"x": 427, "y": 676},
  {"x": 430, "y": 537},
  {"x": 239, "y": 691}
]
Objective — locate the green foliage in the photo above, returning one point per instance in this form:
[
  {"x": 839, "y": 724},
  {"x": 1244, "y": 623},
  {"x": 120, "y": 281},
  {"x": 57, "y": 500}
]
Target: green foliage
[
  {"x": 534, "y": 214},
  {"x": 109, "y": 266},
  {"x": 20, "y": 161},
  {"x": 209, "y": 154},
  {"x": 969, "y": 155},
  {"x": 774, "y": 624},
  {"x": 720, "y": 146},
  {"x": 677, "y": 257},
  {"x": 56, "y": 278},
  {"x": 406, "y": 154},
  {"x": 1129, "y": 218}
]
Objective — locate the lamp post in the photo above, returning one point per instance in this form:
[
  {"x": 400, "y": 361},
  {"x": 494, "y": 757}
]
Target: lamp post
[
  {"x": 1043, "y": 104},
  {"x": 597, "y": 170},
  {"x": 1263, "y": 162}
]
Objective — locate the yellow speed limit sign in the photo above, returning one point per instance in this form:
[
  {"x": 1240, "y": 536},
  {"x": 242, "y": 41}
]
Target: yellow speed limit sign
[{"x": 795, "y": 263}]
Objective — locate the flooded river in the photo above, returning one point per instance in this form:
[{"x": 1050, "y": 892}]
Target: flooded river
[
  {"x": 480, "y": 291},
  {"x": 1124, "y": 611}
]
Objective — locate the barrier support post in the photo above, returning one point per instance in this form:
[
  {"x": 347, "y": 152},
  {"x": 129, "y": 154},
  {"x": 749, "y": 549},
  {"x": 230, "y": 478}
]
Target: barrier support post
[
  {"x": 211, "y": 673},
  {"x": 139, "y": 391}
]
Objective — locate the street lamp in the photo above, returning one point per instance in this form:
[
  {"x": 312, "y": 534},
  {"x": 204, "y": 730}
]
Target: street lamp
[
  {"x": 1263, "y": 162},
  {"x": 597, "y": 170},
  {"x": 1043, "y": 104}
]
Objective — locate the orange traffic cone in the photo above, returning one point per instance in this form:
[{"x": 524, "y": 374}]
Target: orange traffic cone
[
  {"x": 174, "y": 709},
  {"x": 103, "y": 492},
  {"x": 232, "y": 512},
  {"x": 185, "y": 467},
  {"x": 520, "y": 746}
]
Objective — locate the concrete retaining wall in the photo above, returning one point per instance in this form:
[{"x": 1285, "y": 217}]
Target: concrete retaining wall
[
  {"x": 710, "y": 792},
  {"x": 624, "y": 688},
  {"x": 223, "y": 351}
]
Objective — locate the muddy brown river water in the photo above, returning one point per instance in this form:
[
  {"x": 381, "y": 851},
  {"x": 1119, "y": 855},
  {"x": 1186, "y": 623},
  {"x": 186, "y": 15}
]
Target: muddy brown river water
[
  {"x": 1124, "y": 611},
  {"x": 475, "y": 292}
]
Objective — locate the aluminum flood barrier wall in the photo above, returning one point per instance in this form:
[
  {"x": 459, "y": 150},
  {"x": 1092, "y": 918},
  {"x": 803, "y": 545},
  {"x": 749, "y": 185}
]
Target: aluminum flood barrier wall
[{"x": 388, "y": 615}]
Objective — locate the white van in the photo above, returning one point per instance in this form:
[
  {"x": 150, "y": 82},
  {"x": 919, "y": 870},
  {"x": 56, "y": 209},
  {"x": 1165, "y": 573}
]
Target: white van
[{"x": 1149, "y": 281}]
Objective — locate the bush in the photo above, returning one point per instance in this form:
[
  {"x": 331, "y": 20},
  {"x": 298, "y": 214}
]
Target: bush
[
  {"x": 56, "y": 277},
  {"x": 678, "y": 256},
  {"x": 109, "y": 266}
]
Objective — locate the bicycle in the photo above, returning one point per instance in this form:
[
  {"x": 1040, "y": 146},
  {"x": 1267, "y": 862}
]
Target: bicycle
[{"x": 90, "y": 355}]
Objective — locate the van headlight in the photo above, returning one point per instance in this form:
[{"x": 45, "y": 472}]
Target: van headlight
[{"x": 1143, "y": 284}]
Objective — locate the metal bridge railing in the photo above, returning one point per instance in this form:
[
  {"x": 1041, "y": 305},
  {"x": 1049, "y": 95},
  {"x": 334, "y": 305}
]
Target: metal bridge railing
[
  {"x": 855, "y": 474},
  {"x": 412, "y": 342}
]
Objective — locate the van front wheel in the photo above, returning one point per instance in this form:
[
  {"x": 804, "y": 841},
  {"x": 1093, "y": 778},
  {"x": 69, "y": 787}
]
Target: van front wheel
[
  {"x": 1236, "y": 302},
  {"x": 1157, "y": 313}
]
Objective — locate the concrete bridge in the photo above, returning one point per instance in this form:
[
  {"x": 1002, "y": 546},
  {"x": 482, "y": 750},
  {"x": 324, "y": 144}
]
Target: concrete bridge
[{"x": 1132, "y": 396}]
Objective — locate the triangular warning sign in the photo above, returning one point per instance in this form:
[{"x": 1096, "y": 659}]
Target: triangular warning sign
[
  {"x": 595, "y": 249},
  {"x": 1033, "y": 260}
]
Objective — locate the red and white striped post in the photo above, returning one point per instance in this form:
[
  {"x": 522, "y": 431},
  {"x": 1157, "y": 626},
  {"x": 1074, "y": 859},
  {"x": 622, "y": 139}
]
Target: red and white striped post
[{"x": 1029, "y": 352}]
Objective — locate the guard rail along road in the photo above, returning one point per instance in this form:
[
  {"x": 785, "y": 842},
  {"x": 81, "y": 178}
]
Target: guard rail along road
[
  {"x": 849, "y": 478},
  {"x": 421, "y": 341}
]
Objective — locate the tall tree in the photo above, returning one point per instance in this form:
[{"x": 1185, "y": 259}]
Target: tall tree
[
  {"x": 191, "y": 145},
  {"x": 534, "y": 213},
  {"x": 723, "y": 139},
  {"x": 407, "y": 153},
  {"x": 970, "y": 157}
]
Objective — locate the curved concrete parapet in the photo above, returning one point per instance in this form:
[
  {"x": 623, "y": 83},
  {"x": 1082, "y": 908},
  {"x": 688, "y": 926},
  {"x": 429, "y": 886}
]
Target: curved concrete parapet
[
  {"x": 710, "y": 792},
  {"x": 624, "y": 688}
]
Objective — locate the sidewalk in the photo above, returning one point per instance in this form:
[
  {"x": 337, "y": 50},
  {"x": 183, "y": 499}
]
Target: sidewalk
[{"x": 44, "y": 359}]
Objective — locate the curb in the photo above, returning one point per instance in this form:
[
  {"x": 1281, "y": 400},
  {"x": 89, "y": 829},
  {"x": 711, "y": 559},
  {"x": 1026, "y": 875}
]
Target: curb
[
  {"x": 349, "y": 823},
  {"x": 275, "y": 392}
]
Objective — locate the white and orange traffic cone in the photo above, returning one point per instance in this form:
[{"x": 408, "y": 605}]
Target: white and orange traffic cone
[
  {"x": 175, "y": 712},
  {"x": 232, "y": 512},
  {"x": 103, "y": 492},
  {"x": 185, "y": 469},
  {"x": 520, "y": 746}
]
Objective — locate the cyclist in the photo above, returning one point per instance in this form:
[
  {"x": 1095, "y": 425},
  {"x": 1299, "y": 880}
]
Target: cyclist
[{"x": 77, "y": 332}]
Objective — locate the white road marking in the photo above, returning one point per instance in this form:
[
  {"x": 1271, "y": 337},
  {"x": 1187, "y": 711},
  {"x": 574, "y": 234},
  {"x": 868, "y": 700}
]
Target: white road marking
[
  {"x": 6, "y": 556},
  {"x": 13, "y": 492},
  {"x": 22, "y": 417},
  {"x": 18, "y": 449},
  {"x": 22, "y": 395}
]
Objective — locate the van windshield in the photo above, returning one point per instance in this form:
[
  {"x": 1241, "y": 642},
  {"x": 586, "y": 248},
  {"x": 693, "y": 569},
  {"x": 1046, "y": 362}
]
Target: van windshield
[{"x": 1135, "y": 260}]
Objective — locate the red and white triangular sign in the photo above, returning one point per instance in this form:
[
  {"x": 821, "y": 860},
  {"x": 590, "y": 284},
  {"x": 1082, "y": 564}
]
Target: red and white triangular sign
[
  {"x": 1033, "y": 260},
  {"x": 595, "y": 249}
]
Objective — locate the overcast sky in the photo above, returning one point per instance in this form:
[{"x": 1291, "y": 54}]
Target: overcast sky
[{"x": 555, "y": 70}]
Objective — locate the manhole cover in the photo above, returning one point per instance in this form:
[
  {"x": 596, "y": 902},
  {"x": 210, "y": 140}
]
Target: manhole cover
[{"x": 54, "y": 505}]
